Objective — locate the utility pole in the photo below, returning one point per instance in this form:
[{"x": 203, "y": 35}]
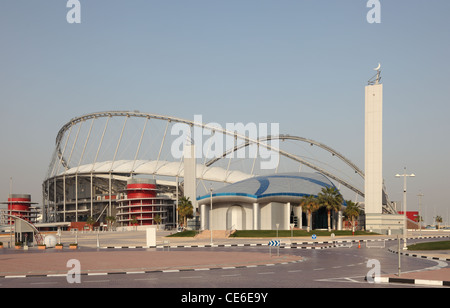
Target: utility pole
[{"x": 420, "y": 214}]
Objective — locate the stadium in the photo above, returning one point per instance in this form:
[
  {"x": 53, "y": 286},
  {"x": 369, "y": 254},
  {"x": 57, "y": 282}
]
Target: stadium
[{"x": 134, "y": 166}]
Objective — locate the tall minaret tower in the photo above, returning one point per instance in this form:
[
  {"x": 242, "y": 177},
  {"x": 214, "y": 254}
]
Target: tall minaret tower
[
  {"x": 190, "y": 173},
  {"x": 373, "y": 184}
]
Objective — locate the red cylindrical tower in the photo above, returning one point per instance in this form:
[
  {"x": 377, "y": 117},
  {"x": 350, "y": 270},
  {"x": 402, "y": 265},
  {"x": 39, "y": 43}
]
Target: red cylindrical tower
[
  {"x": 19, "y": 205},
  {"x": 141, "y": 196}
]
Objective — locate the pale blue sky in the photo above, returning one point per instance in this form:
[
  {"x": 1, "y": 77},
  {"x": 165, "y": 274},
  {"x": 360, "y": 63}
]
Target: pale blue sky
[{"x": 303, "y": 64}]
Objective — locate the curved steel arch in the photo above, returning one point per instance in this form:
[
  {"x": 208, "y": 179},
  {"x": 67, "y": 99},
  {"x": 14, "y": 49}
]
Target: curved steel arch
[
  {"x": 37, "y": 234},
  {"x": 321, "y": 145},
  {"x": 247, "y": 142},
  {"x": 300, "y": 160},
  {"x": 95, "y": 115},
  {"x": 202, "y": 125},
  {"x": 297, "y": 138}
]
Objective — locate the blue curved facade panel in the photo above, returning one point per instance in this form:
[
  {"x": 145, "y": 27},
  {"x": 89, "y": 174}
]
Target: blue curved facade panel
[{"x": 297, "y": 184}]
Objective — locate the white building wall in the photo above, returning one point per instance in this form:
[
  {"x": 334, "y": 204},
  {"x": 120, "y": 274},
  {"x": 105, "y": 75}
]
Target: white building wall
[
  {"x": 275, "y": 213},
  {"x": 246, "y": 216}
]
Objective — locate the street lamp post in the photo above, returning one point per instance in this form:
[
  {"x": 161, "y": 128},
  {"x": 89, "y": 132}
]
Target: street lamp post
[
  {"x": 404, "y": 175},
  {"x": 210, "y": 216}
]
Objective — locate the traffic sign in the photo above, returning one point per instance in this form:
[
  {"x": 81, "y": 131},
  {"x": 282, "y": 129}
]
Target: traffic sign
[
  {"x": 314, "y": 236},
  {"x": 274, "y": 243}
]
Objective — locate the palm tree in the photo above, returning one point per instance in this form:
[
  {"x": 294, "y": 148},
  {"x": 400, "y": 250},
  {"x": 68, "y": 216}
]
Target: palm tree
[
  {"x": 439, "y": 221},
  {"x": 91, "y": 222},
  {"x": 352, "y": 211},
  {"x": 419, "y": 220},
  {"x": 110, "y": 220},
  {"x": 134, "y": 222},
  {"x": 157, "y": 220},
  {"x": 309, "y": 205},
  {"x": 331, "y": 199},
  {"x": 185, "y": 209}
]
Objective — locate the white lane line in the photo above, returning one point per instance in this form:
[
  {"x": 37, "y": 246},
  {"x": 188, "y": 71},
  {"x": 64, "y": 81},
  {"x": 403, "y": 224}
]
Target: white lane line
[
  {"x": 45, "y": 283},
  {"x": 192, "y": 277}
]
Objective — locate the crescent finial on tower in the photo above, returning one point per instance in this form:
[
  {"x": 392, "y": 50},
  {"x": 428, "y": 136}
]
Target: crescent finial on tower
[{"x": 376, "y": 79}]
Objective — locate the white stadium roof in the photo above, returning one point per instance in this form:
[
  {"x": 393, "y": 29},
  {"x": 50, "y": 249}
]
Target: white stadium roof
[{"x": 161, "y": 168}]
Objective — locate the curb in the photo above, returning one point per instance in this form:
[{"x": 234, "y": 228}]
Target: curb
[
  {"x": 428, "y": 282},
  {"x": 223, "y": 245},
  {"x": 335, "y": 243},
  {"x": 151, "y": 272},
  {"x": 419, "y": 256},
  {"x": 412, "y": 281}
]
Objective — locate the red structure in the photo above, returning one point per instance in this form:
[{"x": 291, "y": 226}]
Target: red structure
[
  {"x": 19, "y": 205},
  {"x": 411, "y": 215},
  {"x": 140, "y": 206}
]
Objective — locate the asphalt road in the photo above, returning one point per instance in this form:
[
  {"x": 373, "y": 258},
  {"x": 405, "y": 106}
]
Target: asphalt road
[{"x": 325, "y": 268}]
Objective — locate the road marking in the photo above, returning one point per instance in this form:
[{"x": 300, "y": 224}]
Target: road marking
[
  {"x": 44, "y": 282},
  {"x": 342, "y": 279},
  {"x": 266, "y": 273},
  {"x": 16, "y": 276},
  {"x": 295, "y": 271},
  {"x": 138, "y": 272},
  {"x": 189, "y": 277},
  {"x": 231, "y": 275}
]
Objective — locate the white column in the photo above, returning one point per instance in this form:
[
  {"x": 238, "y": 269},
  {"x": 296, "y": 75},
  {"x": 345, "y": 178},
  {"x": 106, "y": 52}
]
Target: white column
[
  {"x": 203, "y": 217},
  {"x": 339, "y": 221},
  {"x": 256, "y": 216},
  {"x": 298, "y": 213},
  {"x": 287, "y": 215},
  {"x": 190, "y": 176}
]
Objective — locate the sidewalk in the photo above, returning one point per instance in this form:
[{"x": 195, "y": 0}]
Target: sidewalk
[{"x": 51, "y": 262}]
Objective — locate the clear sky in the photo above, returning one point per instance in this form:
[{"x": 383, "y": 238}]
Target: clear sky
[{"x": 301, "y": 63}]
